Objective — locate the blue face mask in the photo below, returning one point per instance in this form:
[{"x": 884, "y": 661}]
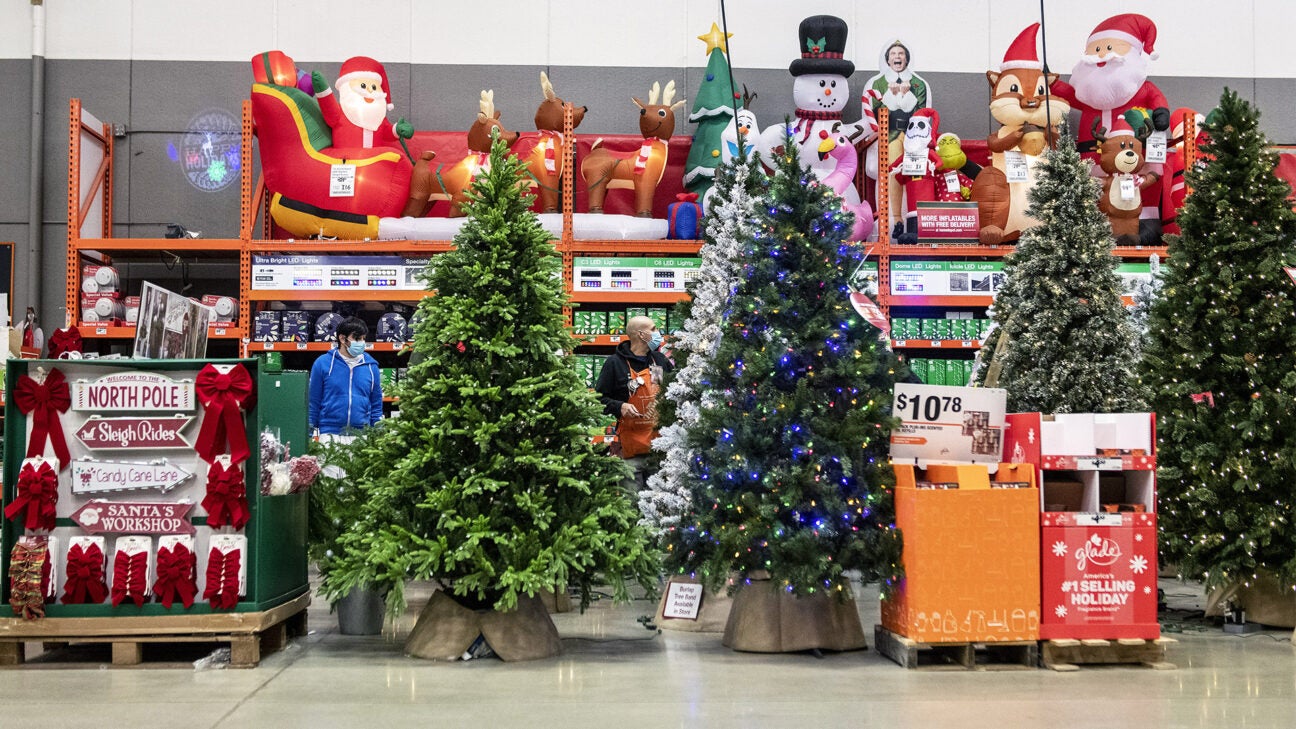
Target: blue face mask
[
  {"x": 355, "y": 349},
  {"x": 656, "y": 340}
]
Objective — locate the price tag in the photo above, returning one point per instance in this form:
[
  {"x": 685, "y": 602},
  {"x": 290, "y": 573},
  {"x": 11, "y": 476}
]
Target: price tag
[
  {"x": 342, "y": 180},
  {"x": 967, "y": 343},
  {"x": 302, "y": 345},
  {"x": 1015, "y": 167},
  {"x": 615, "y": 338},
  {"x": 220, "y": 332},
  {"x": 1127, "y": 187},
  {"x": 945, "y": 424},
  {"x": 1154, "y": 150},
  {"x": 101, "y": 330},
  {"x": 952, "y": 183},
  {"x": 914, "y": 164},
  {"x": 1100, "y": 518},
  {"x": 269, "y": 346},
  {"x": 901, "y": 343}
]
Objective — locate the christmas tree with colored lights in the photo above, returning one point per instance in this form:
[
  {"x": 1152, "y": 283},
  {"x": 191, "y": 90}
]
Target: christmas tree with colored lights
[
  {"x": 1066, "y": 337},
  {"x": 498, "y": 491},
  {"x": 729, "y": 229},
  {"x": 791, "y": 477},
  {"x": 713, "y": 109},
  {"x": 1221, "y": 364}
]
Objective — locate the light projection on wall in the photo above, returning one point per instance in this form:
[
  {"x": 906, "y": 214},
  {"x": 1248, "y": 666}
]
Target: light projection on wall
[{"x": 208, "y": 152}]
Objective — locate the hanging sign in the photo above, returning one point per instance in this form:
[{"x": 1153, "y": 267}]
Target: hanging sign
[
  {"x": 96, "y": 477},
  {"x": 1291, "y": 273},
  {"x": 940, "y": 424},
  {"x": 134, "y": 433},
  {"x": 111, "y": 517},
  {"x": 949, "y": 223},
  {"x": 865, "y": 307},
  {"x": 120, "y": 391}
]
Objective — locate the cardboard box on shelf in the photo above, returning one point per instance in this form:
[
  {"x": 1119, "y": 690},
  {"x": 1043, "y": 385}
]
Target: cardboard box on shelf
[
  {"x": 225, "y": 307},
  {"x": 295, "y": 326},
  {"x": 266, "y": 326},
  {"x": 658, "y": 315},
  {"x": 944, "y": 329},
  {"x": 954, "y": 372},
  {"x": 616, "y": 321},
  {"x": 927, "y": 329},
  {"x": 935, "y": 372}
]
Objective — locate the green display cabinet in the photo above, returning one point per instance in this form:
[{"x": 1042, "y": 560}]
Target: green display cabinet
[{"x": 276, "y": 530}]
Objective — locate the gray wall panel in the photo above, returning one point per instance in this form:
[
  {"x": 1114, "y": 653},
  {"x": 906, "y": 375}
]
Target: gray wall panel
[
  {"x": 15, "y": 143},
  {"x": 445, "y": 97},
  {"x": 1277, "y": 100}
]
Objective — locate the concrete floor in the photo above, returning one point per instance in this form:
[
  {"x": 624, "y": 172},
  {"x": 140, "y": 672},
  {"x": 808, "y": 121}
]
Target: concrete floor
[{"x": 616, "y": 673}]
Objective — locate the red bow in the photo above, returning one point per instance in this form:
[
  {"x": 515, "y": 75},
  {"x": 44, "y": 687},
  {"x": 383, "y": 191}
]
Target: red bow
[
  {"x": 222, "y": 579},
  {"x": 686, "y": 196},
  {"x": 222, "y": 395},
  {"x": 85, "y": 576},
  {"x": 177, "y": 570},
  {"x": 44, "y": 402},
  {"x": 64, "y": 341},
  {"x": 226, "y": 500},
  {"x": 1200, "y": 397},
  {"x": 38, "y": 494},
  {"x": 130, "y": 578}
]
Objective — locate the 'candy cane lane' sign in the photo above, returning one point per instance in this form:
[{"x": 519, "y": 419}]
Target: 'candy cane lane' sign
[{"x": 96, "y": 477}]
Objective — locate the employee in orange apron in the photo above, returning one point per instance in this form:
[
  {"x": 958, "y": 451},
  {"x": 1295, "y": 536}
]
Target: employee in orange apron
[{"x": 628, "y": 386}]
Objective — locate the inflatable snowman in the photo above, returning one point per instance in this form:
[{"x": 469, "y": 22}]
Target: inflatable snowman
[{"x": 820, "y": 91}]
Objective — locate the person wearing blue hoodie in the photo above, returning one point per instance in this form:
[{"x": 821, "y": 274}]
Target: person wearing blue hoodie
[{"x": 345, "y": 385}]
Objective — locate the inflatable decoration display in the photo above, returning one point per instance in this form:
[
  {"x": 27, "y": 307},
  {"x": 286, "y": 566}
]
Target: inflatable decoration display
[
  {"x": 1173, "y": 187},
  {"x": 319, "y": 188},
  {"x": 838, "y": 146},
  {"x": 1029, "y": 117},
  {"x": 640, "y": 170},
  {"x": 1120, "y": 155},
  {"x": 917, "y": 170},
  {"x": 903, "y": 93},
  {"x": 1111, "y": 79},
  {"x": 545, "y": 164}
]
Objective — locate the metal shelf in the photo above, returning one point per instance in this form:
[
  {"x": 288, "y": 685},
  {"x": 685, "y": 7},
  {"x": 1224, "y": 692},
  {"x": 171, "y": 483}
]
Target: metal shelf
[
  {"x": 319, "y": 346},
  {"x": 968, "y": 344},
  {"x": 622, "y": 247},
  {"x": 335, "y": 295},
  {"x": 92, "y": 331},
  {"x": 628, "y": 297}
]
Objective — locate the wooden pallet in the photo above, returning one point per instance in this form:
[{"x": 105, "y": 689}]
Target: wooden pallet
[
  {"x": 1067, "y": 654},
  {"x": 993, "y": 656},
  {"x": 249, "y": 635}
]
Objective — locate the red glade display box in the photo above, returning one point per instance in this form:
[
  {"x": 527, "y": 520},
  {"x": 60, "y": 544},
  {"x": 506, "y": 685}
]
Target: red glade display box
[{"x": 1098, "y": 559}]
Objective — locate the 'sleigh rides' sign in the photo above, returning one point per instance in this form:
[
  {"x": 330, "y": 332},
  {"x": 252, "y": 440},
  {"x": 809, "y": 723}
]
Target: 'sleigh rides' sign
[
  {"x": 134, "y": 433},
  {"x": 134, "y": 391}
]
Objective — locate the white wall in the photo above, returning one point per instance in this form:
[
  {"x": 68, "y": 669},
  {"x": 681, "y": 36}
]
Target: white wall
[{"x": 1239, "y": 38}]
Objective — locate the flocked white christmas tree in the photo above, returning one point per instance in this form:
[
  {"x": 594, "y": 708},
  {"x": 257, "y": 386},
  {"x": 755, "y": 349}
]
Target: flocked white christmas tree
[
  {"x": 1145, "y": 293},
  {"x": 729, "y": 228}
]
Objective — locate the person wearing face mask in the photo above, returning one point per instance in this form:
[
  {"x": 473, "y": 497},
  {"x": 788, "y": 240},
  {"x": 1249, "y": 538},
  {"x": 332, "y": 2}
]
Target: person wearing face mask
[
  {"x": 345, "y": 384},
  {"x": 628, "y": 386}
]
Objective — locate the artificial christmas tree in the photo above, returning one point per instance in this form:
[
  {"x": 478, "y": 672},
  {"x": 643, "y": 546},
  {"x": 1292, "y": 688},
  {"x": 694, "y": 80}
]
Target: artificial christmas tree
[
  {"x": 1146, "y": 292},
  {"x": 791, "y": 481},
  {"x": 1221, "y": 364},
  {"x": 498, "y": 492},
  {"x": 1069, "y": 345},
  {"x": 713, "y": 108}
]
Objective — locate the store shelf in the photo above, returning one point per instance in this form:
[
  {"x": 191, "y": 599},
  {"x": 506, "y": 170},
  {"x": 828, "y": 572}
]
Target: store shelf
[
  {"x": 623, "y": 247},
  {"x": 334, "y": 295},
  {"x": 935, "y": 344},
  {"x": 320, "y": 346},
  {"x": 943, "y": 251},
  {"x": 194, "y": 245},
  {"x": 350, "y": 247},
  {"x": 1140, "y": 251},
  {"x": 628, "y": 297},
  {"x": 895, "y": 300},
  {"x": 90, "y": 331}
]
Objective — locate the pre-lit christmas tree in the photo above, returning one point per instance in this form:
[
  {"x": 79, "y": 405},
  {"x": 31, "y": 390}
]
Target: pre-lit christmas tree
[
  {"x": 792, "y": 475},
  {"x": 729, "y": 230},
  {"x": 1221, "y": 364},
  {"x": 1069, "y": 343},
  {"x": 498, "y": 491},
  {"x": 713, "y": 109}
]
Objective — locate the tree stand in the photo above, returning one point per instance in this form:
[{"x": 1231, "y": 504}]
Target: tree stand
[
  {"x": 445, "y": 630},
  {"x": 712, "y": 616},
  {"x": 767, "y": 619},
  {"x": 1265, "y": 601}
]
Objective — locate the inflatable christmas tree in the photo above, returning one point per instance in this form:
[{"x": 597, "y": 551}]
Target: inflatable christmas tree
[{"x": 713, "y": 109}]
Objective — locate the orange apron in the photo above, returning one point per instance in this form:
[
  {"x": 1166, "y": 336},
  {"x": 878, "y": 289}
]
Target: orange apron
[{"x": 636, "y": 433}]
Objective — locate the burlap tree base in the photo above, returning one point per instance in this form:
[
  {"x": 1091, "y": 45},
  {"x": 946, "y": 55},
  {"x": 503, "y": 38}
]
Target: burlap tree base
[
  {"x": 712, "y": 617},
  {"x": 1265, "y": 601},
  {"x": 766, "y": 619},
  {"x": 445, "y": 629}
]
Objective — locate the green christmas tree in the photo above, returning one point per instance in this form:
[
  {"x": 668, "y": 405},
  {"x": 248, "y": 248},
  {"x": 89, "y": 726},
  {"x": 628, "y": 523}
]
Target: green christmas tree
[
  {"x": 791, "y": 475},
  {"x": 1221, "y": 364},
  {"x": 713, "y": 109},
  {"x": 1069, "y": 345},
  {"x": 498, "y": 490}
]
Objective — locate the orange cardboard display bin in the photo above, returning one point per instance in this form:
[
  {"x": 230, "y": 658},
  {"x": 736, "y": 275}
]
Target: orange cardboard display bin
[{"x": 971, "y": 555}]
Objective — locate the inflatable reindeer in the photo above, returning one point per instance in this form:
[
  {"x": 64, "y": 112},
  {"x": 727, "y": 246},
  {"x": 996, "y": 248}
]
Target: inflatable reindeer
[
  {"x": 430, "y": 184},
  {"x": 1120, "y": 155},
  {"x": 545, "y": 164},
  {"x": 640, "y": 170}
]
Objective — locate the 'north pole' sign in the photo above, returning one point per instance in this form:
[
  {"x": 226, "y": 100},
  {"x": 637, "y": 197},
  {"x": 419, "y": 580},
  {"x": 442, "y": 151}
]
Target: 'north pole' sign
[
  {"x": 134, "y": 433},
  {"x": 111, "y": 517},
  {"x": 97, "y": 477},
  {"x": 121, "y": 391}
]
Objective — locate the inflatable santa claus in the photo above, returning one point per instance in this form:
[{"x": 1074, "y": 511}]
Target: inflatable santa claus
[
  {"x": 1110, "y": 79},
  {"x": 357, "y": 114}
]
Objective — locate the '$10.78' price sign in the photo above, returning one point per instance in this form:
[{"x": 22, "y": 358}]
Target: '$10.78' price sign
[{"x": 943, "y": 424}]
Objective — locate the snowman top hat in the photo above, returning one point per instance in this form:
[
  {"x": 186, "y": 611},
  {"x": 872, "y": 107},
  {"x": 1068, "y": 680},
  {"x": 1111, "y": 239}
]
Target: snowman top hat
[{"x": 822, "y": 43}]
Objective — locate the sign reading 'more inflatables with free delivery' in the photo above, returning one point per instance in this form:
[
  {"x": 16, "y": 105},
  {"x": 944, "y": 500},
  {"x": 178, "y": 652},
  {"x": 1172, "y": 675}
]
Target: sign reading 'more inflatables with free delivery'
[{"x": 940, "y": 424}]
